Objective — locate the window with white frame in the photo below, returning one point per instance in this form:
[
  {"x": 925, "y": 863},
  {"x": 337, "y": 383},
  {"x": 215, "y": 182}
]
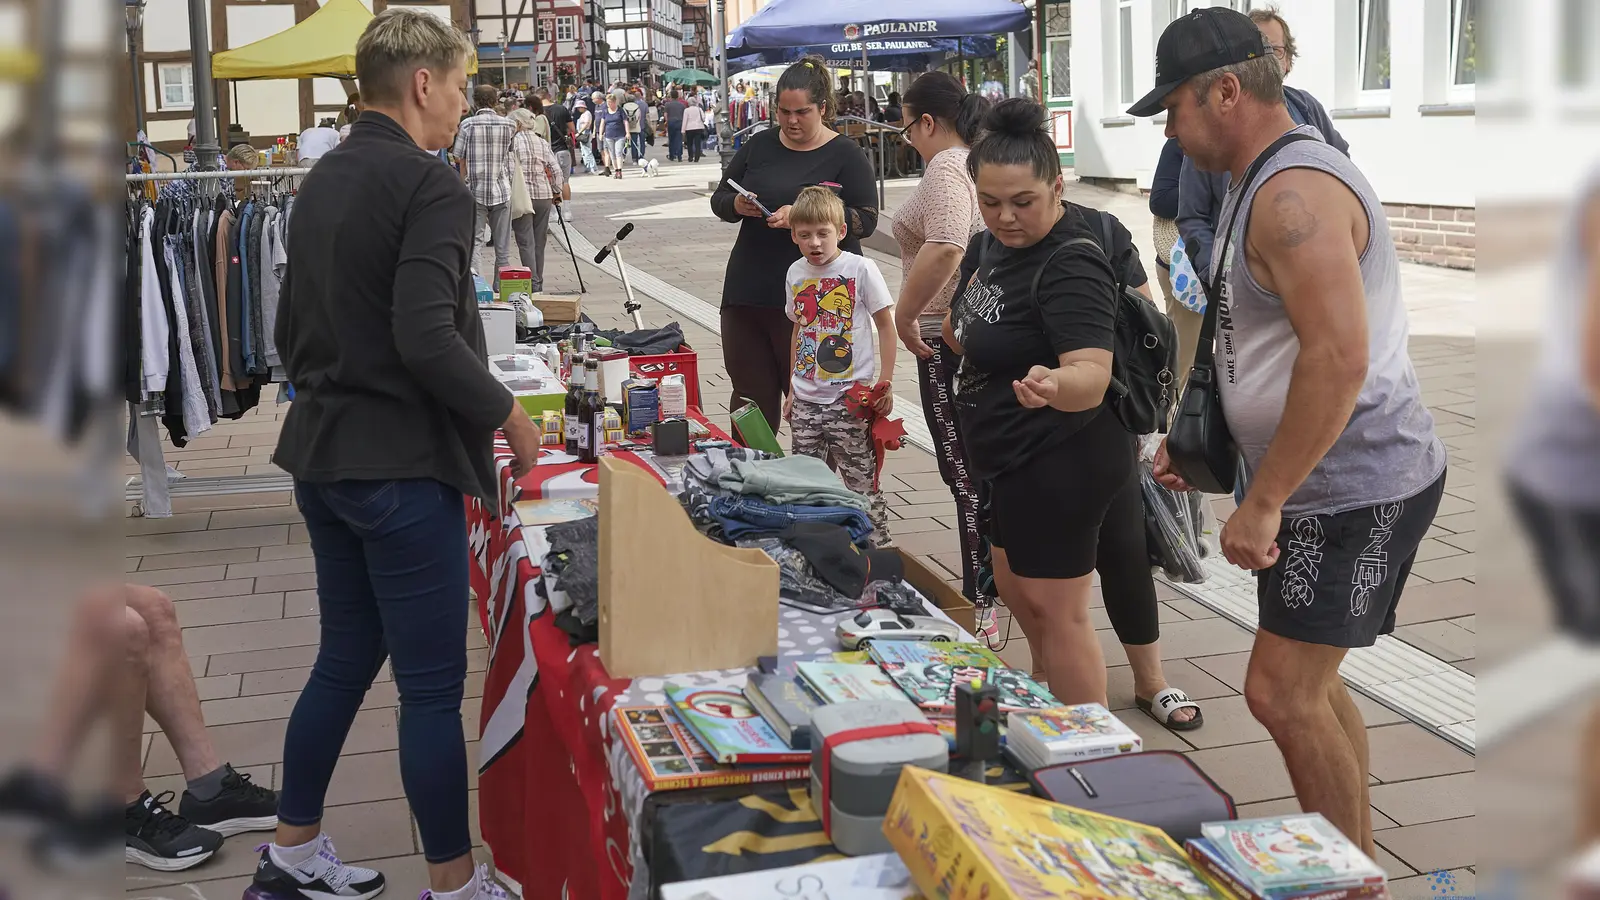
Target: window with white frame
[
  {"x": 541, "y": 74},
  {"x": 1580, "y": 59},
  {"x": 546, "y": 27},
  {"x": 1463, "y": 46},
  {"x": 1125, "y": 52},
  {"x": 1372, "y": 54},
  {"x": 177, "y": 85},
  {"x": 566, "y": 28},
  {"x": 1058, "y": 50},
  {"x": 688, "y": 33}
]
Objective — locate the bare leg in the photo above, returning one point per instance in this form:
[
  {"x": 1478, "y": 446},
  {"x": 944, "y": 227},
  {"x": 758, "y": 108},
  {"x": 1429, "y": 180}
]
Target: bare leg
[
  {"x": 127, "y": 696},
  {"x": 96, "y": 652},
  {"x": 171, "y": 697},
  {"x": 1149, "y": 679},
  {"x": 1288, "y": 688},
  {"x": 1590, "y": 787},
  {"x": 1356, "y": 731},
  {"x": 1006, "y": 586},
  {"x": 1057, "y": 621}
]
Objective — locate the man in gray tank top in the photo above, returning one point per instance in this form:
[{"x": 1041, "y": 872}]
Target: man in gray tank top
[{"x": 1344, "y": 469}]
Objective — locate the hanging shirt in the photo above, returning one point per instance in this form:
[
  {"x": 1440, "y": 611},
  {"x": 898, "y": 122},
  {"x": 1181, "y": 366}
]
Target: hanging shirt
[{"x": 152, "y": 314}]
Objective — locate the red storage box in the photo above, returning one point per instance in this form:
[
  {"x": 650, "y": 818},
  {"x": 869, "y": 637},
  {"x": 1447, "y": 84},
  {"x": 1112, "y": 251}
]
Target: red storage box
[{"x": 684, "y": 362}]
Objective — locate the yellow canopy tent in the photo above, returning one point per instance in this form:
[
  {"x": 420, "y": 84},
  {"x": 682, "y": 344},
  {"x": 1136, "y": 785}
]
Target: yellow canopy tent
[{"x": 323, "y": 45}]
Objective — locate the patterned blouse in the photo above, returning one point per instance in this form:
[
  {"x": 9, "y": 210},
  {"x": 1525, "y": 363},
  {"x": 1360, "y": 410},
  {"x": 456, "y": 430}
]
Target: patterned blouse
[{"x": 942, "y": 210}]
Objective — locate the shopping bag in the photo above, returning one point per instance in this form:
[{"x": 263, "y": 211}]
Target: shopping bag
[
  {"x": 521, "y": 197},
  {"x": 1185, "y": 283},
  {"x": 1174, "y": 523}
]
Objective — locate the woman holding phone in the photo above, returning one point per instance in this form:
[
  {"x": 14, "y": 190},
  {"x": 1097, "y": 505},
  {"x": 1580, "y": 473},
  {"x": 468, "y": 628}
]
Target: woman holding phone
[{"x": 775, "y": 166}]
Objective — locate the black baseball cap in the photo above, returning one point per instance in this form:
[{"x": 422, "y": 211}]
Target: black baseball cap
[{"x": 1206, "y": 39}]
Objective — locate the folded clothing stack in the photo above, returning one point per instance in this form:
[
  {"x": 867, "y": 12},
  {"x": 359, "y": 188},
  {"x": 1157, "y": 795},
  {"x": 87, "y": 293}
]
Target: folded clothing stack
[
  {"x": 571, "y": 582},
  {"x": 738, "y": 494},
  {"x": 821, "y": 569}
]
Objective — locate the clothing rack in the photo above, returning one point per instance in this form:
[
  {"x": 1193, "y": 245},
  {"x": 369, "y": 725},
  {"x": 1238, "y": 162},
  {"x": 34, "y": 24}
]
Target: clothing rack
[{"x": 152, "y": 490}]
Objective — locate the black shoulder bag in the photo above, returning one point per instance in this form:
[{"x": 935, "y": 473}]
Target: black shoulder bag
[{"x": 1200, "y": 447}]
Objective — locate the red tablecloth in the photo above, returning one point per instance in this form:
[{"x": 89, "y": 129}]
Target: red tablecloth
[{"x": 547, "y": 808}]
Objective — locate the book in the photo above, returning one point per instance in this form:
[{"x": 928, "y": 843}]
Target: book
[
  {"x": 880, "y": 876},
  {"x": 729, "y": 728},
  {"x": 533, "y": 513},
  {"x": 786, "y": 703},
  {"x": 839, "y": 682},
  {"x": 947, "y": 729},
  {"x": 886, "y": 652},
  {"x": 670, "y": 758},
  {"x": 1209, "y": 862},
  {"x": 962, "y": 839},
  {"x": 1281, "y": 856},
  {"x": 1046, "y": 737},
  {"x": 931, "y": 685}
]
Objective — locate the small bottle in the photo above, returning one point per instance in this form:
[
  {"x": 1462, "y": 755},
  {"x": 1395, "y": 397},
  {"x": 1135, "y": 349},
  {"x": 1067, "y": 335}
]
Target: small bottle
[
  {"x": 591, "y": 414},
  {"x": 573, "y": 420}
]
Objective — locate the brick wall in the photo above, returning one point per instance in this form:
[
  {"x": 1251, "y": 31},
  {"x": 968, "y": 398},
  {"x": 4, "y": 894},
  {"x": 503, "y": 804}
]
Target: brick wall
[{"x": 1435, "y": 235}]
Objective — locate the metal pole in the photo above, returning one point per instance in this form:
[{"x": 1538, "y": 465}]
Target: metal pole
[
  {"x": 133, "y": 80},
  {"x": 720, "y": 44},
  {"x": 206, "y": 146}
]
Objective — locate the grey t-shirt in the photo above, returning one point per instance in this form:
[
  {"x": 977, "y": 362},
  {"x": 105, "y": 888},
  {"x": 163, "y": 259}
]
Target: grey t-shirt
[
  {"x": 1556, "y": 454},
  {"x": 1388, "y": 451},
  {"x": 674, "y": 110}
]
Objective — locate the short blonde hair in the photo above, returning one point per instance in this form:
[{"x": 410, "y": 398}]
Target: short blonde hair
[
  {"x": 399, "y": 41},
  {"x": 817, "y": 206},
  {"x": 245, "y": 154}
]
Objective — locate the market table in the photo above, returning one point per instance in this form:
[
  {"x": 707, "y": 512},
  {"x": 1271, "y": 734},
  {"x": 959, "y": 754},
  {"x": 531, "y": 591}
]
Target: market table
[{"x": 559, "y": 797}]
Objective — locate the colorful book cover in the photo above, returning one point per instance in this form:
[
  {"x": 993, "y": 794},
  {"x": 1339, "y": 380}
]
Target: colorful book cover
[
  {"x": 932, "y": 685},
  {"x": 962, "y": 839},
  {"x": 727, "y": 725},
  {"x": 1291, "y": 854},
  {"x": 670, "y": 758},
  {"x": 1068, "y": 733},
  {"x": 947, "y": 729},
  {"x": 838, "y": 682},
  {"x": 1207, "y": 860},
  {"x": 886, "y": 652},
  {"x": 785, "y": 702},
  {"x": 534, "y": 513}
]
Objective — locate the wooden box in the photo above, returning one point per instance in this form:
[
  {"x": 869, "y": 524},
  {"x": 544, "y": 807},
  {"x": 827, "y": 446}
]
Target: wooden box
[
  {"x": 958, "y": 608},
  {"x": 558, "y": 309}
]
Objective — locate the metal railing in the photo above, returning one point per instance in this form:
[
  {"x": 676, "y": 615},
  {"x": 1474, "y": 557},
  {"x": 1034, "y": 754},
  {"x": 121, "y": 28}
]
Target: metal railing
[{"x": 882, "y": 149}]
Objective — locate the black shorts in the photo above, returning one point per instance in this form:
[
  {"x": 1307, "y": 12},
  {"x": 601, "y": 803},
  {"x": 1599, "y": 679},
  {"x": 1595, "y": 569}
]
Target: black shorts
[
  {"x": 1566, "y": 543},
  {"x": 1339, "y": 577},
  {"x": 1046, "y": 513}
]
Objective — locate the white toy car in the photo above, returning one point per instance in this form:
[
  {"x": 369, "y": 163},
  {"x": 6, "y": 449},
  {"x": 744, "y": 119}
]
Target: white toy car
[{"x": 861, "y": 629}]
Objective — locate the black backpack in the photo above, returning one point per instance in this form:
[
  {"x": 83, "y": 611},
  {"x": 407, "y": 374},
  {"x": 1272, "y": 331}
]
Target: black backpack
[{"x": 1145, "y": 356}]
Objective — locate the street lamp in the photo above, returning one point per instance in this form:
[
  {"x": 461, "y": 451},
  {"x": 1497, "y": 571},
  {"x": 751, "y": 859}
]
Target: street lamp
[
  {"x": 133, "y": 12},
  {"x": 505, "y": 46}
]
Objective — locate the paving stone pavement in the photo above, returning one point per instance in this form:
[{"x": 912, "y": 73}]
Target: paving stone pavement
[{"x": 240, "y": 570}]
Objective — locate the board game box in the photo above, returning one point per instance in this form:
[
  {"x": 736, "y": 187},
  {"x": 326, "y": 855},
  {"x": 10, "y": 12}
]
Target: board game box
[{"x": 964, "y": 841}]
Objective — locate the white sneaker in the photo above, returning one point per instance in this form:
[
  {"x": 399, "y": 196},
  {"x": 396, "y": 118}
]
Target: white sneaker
[
  {"x": 322, "y": 877},
  {"x": 486, "y": 888}
]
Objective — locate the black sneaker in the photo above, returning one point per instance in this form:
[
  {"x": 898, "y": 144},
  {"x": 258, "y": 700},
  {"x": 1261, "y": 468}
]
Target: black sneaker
[
  {"x": 82, "y": 843},
  {"x": 160, "y": 839},
  {"x": 242, "y": 806},
  {"x": 29, "y": 802},
  {"x": 322, "y": 877}
]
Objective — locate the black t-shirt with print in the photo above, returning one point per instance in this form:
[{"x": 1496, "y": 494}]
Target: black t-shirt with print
[{"x": 1004, "y": 332}]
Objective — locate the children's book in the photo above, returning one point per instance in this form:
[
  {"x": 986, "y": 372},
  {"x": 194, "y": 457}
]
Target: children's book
[
  {"x": 729, "y": 728},
  {"x": 1208, "y": 861},
  {"x": 786, "y": 703},
  {"x": 533, "y": 513},
  {"x": 1286, "y": 855},
  {"x": 1068, "y": 733},
  {"x": 886, "y": 652},
  {"x": 931, "y": 685},
  {"x": 670, "y": 758},
  {"x": 838, "y": 682}
]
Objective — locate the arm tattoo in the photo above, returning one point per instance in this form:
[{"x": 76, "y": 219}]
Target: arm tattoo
[{"x": 1296, "y": 224}]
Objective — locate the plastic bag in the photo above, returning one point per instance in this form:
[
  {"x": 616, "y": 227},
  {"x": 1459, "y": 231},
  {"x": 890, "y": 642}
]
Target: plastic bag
[{"x": 1173, "y": 523}]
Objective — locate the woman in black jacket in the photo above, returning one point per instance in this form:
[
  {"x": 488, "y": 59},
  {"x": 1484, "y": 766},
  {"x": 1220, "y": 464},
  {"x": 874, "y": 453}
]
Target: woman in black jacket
[{"x": 776, "y": 164}]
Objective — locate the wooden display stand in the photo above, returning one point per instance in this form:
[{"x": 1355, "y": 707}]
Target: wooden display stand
[{"x": 671, "y": 599}]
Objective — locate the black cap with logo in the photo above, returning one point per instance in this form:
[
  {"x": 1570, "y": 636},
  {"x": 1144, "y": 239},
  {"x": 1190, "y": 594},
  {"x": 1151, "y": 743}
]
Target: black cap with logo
[{"x": 1205, "y": 39}]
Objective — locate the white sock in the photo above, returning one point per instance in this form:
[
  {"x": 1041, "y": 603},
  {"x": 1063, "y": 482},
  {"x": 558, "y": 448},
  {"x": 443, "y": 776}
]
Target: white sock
[
  {"x": 293, "y": 856},
  {"x": 466, "y": 892}
]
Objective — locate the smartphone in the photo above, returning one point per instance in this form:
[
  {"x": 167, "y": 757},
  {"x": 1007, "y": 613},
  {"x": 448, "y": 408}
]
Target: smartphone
[{"x": 749, "y": 195}]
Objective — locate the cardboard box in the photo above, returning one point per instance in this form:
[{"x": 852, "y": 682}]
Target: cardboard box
[
  {"x": 961, "y": 840},
  {"x": 499, "y": 328},
  {"x": 558, "y": 309},
  {"x": 958, "y": 608},
  {"x": 515, "y": 280}
]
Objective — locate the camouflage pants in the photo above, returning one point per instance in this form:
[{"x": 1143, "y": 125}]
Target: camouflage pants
[{"x": 843, "y": 441}]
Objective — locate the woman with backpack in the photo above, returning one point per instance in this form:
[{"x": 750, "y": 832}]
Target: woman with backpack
[{"x": 1035, "y": 321}]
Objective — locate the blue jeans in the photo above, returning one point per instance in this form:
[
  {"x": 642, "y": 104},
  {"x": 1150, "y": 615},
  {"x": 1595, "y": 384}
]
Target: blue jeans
[
  {"x": 674, "y": 142},
  {"x": 638, "y": 145},
  {"x": 391, "y": 560},
  {"x": 741, "y": 517}
]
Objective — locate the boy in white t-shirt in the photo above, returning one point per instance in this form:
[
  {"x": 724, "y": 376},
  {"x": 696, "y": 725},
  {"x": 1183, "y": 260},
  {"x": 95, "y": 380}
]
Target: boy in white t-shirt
[{"x": 835, "y": 300}]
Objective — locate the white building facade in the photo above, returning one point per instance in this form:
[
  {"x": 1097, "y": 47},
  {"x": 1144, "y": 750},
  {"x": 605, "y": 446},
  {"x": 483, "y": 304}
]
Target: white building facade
[{"x": 1398, "y": 78}]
